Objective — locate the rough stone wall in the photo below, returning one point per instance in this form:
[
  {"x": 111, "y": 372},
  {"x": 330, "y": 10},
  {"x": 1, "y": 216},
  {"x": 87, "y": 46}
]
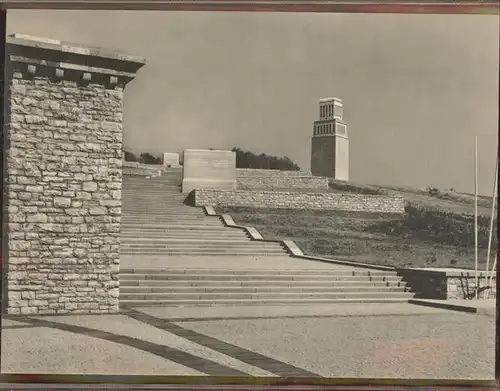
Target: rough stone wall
[
  {"x": 322, "y": 201},
  {"x": 256, "y": 172},
  {"x": 154, "y": 167},
  {"x": 135, "y": 168},
  {"x": 463, "y": 287},
  {"x": 283, "y": 182},
  {"x": 64, "y": 162},
  {"x": 134, "y": 171}
]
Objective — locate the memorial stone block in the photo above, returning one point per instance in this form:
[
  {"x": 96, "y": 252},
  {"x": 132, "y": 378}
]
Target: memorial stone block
[
  {"x": 170, "y": 159},
  {"x": 208, "y": 169}
]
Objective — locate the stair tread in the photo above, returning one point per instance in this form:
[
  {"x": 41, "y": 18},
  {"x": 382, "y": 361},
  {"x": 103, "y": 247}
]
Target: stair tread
[
  {"x": 202, "y": 253},
  {"x": 189, "y": 252},
  {"x": 210, "y": 248},
  {"x": 163, "y": 212},
  {"x": 265, "y": 296},
  {"x": 200, "y": 240},
  {"x": 234, "y": 277},
  {"x": 181, "y": 235},
  {"x": 257, "y": 295},
  {"x": 179, "y": 225},
  {"x": 270, "y": 285},
  {"x": 243, "y": 270},
  {"x": 269, "y": 301},
  {"x": 291, "y": 289},
  {"x": 170, "y": 225}
]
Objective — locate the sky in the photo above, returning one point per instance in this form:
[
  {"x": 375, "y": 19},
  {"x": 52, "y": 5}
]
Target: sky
[{"x": 416, "y": 88}]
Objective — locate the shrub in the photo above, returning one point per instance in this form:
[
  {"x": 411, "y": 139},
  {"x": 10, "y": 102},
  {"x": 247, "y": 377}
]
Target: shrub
[
  {"x": 148, "y": 158},
  {"x": 357, "y": 189},
  {"x": 130, "y": 157},
  {"x": 247, "y": 159},
  {"x": 446, "y": 227}
]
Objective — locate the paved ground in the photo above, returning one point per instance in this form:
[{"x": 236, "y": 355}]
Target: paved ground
[{"x": 386, "y": 340}]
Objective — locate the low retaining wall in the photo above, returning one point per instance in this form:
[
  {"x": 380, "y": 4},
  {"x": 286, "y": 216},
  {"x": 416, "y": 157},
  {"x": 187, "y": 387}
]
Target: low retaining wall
[
  {"x": 153, "y": 167},
  {"x": 135, "y": 168},
  {"x": 257, "y": 172},
  {"x": 295, "y": 200},
  {"x": 133, "y": 171},
  {"x": 282, "y": 182},
  {"x": 446, "y": 284}
]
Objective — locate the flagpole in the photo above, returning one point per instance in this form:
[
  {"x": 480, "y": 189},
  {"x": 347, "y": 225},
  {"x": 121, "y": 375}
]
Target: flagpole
[
  {"x": 490, "y": 238},
  {"x": 493, "y": 269},
  {"x": 475, "y": 217}
]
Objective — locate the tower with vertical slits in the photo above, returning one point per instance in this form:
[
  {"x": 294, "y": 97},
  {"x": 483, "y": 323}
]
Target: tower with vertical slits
[{"x": 330, "y": 143}]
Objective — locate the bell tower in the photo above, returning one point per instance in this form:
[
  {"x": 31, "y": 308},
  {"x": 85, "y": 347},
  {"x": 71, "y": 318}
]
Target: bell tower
[{"x": 330, "y": 144}]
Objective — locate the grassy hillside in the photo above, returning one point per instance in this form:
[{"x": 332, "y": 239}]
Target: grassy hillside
[{"x": 436, "y": 231}]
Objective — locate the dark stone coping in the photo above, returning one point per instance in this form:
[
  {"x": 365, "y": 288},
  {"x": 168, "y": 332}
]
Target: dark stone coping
[
  {"x": 469, "y": 306},
  {"x": 74, "y": 48},
  {"x": 349, "y": 263},
  {"x": 71, "y": 67},
  {"x": 443, "y": 304},
  {"x": 64, "y": 55},
  {"x": 448, "y": 272}
]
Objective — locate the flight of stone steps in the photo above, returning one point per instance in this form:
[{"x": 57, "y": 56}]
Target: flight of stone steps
[
  {"x": 157, "y": 225},
  {"x": 155, "y": 221},
  {"x": 208, "y": 287}
]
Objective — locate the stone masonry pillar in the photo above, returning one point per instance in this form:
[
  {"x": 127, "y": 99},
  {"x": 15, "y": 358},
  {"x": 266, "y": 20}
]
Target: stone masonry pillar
[{"x": 62, "y": 193}]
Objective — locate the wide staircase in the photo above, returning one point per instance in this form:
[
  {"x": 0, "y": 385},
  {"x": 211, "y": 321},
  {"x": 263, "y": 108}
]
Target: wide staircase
[
  {"x": 202, "y": 287},
  {"x": 155, "y": 221},
  {"x": 198, "y": 261}
]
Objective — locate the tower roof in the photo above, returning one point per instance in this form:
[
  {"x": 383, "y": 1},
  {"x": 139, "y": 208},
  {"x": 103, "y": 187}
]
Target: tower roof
[{"x": 330, "y": 100}]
